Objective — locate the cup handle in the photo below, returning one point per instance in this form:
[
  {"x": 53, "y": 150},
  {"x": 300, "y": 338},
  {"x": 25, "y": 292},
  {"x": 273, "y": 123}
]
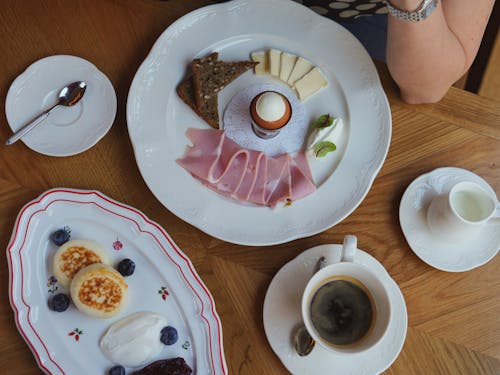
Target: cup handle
[
  {"x": 349, "y": 248},
  {"x": 495, "y": 219}
]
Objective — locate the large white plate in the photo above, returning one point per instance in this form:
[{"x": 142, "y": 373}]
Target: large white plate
[
  {"x": 158, "y": 119},
  {"x": 125, "y": 233}
]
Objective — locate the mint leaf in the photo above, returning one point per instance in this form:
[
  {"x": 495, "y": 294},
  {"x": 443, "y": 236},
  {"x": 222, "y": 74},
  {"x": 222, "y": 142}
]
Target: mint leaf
[
  {"x": 323, "y": 148},
  {"x": 323, "y": 121}
]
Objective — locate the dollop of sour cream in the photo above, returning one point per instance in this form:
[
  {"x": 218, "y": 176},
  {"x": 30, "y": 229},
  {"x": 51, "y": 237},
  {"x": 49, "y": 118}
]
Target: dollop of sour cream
[
  {"x": 270, "y": 106},
  {"x": 330, "y": 133},
  {"x": 134, "y": 340}
]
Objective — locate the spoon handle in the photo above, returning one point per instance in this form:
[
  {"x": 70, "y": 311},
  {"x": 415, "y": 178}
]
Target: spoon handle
[{"x": 30, "y": 126}]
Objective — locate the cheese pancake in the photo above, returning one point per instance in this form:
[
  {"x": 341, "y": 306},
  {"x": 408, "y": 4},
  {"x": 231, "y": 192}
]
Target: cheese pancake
[
  {"x": 75, "y": 255},
  {"x": 99, "y": 290}
]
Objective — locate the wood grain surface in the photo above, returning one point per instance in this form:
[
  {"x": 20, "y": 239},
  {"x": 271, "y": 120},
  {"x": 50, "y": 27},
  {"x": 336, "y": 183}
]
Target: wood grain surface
[{"x": 454, "y": 324}]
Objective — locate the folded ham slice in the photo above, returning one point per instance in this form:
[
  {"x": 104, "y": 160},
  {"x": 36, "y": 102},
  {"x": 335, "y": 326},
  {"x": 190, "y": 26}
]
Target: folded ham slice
[
  {"x": 255, "y": 167},
  {"x": 302, "y": 183},
  {"x": 245, "y": 175},
  {"x": 278, "y": 180}
]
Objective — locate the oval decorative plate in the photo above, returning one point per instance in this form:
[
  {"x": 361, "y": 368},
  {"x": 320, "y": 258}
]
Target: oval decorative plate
[
  {"x": 157, "y": 119},
  {"x": 164, "y": 282}
]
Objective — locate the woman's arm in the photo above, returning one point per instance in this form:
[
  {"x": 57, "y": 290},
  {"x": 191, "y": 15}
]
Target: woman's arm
[{"x": 425, "y": 58}]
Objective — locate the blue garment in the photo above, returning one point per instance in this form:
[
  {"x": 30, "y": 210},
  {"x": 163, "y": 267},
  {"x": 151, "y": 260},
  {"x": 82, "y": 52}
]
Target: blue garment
[
  {"x": 371, "y": 31},
  {"x": 366, "y": 19}
]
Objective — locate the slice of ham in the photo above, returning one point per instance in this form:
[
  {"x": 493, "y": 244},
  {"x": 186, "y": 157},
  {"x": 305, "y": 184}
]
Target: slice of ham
[
  {"x": 256, "y": 162},
  {"x": 230, "y": 168},
  {"x": 201, "y": 158},
  {"x": 278, "y": 180},
  {"x": 302, "y": 182},
  {"x": 245, "y": 175},
  {"x": 258, "y": 193}
]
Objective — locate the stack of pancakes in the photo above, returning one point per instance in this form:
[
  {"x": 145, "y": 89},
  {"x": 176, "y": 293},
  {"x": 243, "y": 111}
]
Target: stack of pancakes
[{"x": 97, "y": 289}]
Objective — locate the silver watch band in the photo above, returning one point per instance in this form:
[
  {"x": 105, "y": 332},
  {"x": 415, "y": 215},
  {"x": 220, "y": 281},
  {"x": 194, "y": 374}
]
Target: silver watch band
[{"x": 423, "y": 11}]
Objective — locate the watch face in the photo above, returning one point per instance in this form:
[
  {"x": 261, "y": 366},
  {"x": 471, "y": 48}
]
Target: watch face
[{"x": 426, "y": 12}]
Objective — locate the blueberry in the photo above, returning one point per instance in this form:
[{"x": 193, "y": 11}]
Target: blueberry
[
  {"x": 169, "y": 335},
  {"x": 117, "y": 370},
  {"x": 126, "y": 267},
  {"x": 60, "y": 236},
  {"x": 59, "y": 303}
]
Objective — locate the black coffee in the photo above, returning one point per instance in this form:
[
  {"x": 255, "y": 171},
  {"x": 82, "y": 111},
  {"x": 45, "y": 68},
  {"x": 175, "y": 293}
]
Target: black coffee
[{"x": 342, "y": 311}]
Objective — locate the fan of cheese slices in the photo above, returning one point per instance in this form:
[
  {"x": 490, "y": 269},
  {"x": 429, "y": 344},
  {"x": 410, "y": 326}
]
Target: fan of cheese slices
[{"x": 294, "y": 70}]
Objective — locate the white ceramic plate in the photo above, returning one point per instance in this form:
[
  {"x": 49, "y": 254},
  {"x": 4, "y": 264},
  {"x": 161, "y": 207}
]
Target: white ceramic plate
[
  {"x": 282, "y": 314},
  {"x": 434, "y": 250},
  {"x": 164, "y": 282},
  {"x": 68, "y": 130},
  {"x": 158, "y": 119}
]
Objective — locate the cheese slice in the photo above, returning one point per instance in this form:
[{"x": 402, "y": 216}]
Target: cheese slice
[
  {"x": 260, "y": 57},
  {"x": 275, "y": 62},
  {"x": 301, "y": 68},
  {"x": 287, "y": 63},
  {"x": 311, "y": 83}
]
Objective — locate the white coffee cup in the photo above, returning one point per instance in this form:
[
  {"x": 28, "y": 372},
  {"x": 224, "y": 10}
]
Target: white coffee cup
[
  {"x": 371, "y": 284},
  {"x": 459, "y": 214}
]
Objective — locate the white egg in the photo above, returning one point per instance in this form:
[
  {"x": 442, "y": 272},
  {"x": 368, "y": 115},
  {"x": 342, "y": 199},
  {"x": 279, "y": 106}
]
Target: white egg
[{"x": 270, "y": 106}]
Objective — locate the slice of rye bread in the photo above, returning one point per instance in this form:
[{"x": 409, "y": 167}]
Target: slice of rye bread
[
  {"x": 209, "y": 78},
  {"x": 186, "y": 92}
]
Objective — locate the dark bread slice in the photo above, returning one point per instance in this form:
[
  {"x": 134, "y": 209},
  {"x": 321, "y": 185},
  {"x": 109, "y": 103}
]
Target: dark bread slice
[
  {"x": 185, "y": 90},
  {"x": 209, "y": 78}
]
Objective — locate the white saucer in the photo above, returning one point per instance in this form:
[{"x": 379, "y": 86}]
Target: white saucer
[
  {"x": 68, "y": 130},
  {"x": 282, "y": 315},
  {"x": 435, "y": 251}
]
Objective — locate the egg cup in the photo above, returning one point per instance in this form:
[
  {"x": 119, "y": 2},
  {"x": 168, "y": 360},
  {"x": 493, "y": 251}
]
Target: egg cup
[{"x": 269, "y": 129}]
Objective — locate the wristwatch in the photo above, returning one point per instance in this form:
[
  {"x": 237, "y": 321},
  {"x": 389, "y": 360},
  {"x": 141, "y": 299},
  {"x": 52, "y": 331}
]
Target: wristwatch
[{"x": 423, "y": 11}]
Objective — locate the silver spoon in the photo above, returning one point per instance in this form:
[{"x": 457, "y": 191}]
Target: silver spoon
[
  {"x": 68, "y": 96},
  {"x": 303, "y": 341}
]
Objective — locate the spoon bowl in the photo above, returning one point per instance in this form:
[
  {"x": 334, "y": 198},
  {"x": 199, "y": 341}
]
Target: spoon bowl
[
  {"x": 302, "y": 340},
  {"x": 71, "y": 94},
  {"x": 68, "y": 96}
]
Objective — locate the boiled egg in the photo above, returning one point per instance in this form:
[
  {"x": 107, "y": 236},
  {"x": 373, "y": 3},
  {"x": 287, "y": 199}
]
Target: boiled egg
[{"x": 270, "y": 110}]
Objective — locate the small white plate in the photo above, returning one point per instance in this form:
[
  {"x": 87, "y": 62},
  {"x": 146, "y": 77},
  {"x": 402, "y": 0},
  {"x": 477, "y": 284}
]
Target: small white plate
[
  {"x": 164, "y": 282},
  {"x": 68, "y": 130},
  {"x": 282, "y": 314},
  {"x": 433, "y": 250}
]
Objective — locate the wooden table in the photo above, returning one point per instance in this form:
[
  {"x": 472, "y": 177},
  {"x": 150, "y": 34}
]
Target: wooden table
[{"x": 454, "y": 324}]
